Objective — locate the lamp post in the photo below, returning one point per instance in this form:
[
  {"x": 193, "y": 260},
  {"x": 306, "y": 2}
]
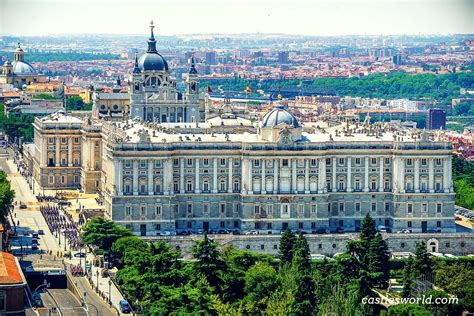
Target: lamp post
[
  {"x": 97, "y": 275},
  {"x": 110, "y": 291}
]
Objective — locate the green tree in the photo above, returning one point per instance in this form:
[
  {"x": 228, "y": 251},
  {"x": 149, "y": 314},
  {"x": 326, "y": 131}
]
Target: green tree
[
  {"x": 407, "y": 278},
  {"x": 261, "y": 280},
  {"x": 377, "y": 258},
  {"x": 286, "y": 249},
  {"x": 102, "y": 233},
  {"x": 126, "y": 244},
  {"x": 74, "y": 103},
  {"x": 422, "y": 265},
  {"x": 208, "y": 260},
  {"x": 6, "y": 196}
]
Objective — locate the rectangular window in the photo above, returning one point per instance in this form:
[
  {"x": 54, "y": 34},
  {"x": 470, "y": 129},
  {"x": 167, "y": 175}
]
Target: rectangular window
[
  {"x": 269, "y": 225},
  {"x": 424, "y": 207},
  {"x": 410, "y": 208},
  {"x": 439, "y": 208},
  {"x": 222, "y": 208},
  {"x": 423, "y": 162},
  {"x": 205, "y": 162},
  {"x": 387, "y": 161},
  {"x": 328, "y": 161},
  {"x": 205, "y": 208},
  {"x": 438, "y": 161},
  {"x": 269, "y": 209},
  {"x": 387, "y": 207},
  {"x": 409, "y": 162},
  {"x": 341, "y": 206},
  {"x": 285, "y": 209},
  {"x": 128, "y": 164},
  {"x": 176, "y": 162},
  {"x": 313, "y": 162},
  {"x": 357, "y": 161},
  {"x": 143, "y": 163},
  {"x": 313, "y": 209},
  {"x": 301, "y": 208},
  {"x": 374, "y": 207},
  {"x": 157, "y": 163},
  {"x": 189, "y": 162},
  {"x": 189, "y": 208},
  {"x": 158, "y": 210},
  {"x": 341, "y": 161},
  {"x": 256, "y": 209},
  {"x": 256, "y": 163},
  {"x": 438, "y": 224},
  {"x": 76, "y": 140},
  {"x": 128, "y": 210},
  {"x": 51, "y": 179},
  {"x": 51, "y": 141},
  {"x": 409, "y": 224},
  {"x": 357, "y": 206},
  {"x": 300, "y": 225},
  {"x": 222, "y": 162},
  {"x": 373, "y": 161},
  {"x": 284, "y": 162}
]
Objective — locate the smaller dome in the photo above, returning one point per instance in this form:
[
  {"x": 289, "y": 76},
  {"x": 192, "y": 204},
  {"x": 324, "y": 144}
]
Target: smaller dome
[
  {"x": 152, "y": 61},
  {"x": 23, "y": 68},
  {"x": 279, "y": 116}
]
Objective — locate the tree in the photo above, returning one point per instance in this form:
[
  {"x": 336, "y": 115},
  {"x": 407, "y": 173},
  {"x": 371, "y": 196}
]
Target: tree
[
  {"x": 74, "y": 103},
  {"x": 208, "y": 262},
  {"x": 102, "y": 233},
  {"x": 285, "y": 251},
  {"x": 260, "y": 281},
  {"x": 422, "y": 265},
  {"x": 367, "y": 230},
  {"x": 6, "y": 196},
  {"x": 377, "y": 259},
  {"x": 304, "y": 292},
  {"x": 301, "y": 254},
  {"x": 407, "y": 278},
  {"x": 126, "y": 244}
]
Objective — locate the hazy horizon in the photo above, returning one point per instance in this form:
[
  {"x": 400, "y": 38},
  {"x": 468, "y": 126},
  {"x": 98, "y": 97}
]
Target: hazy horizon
[{"x": 212, "y": 17}]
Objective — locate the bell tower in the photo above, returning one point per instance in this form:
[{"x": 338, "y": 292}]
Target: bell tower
[
  {"x": 19, "y": 53},
  {"x": 192, "y": 84}
]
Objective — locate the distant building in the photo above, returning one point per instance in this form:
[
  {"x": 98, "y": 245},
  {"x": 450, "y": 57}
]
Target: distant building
[
  {"x": 12, "y": 286},
  {"x": 19, "y": 72},
  {"x": 436, "y": 119},
  {"x": 283, "y": 57},
  {"x": 211, "y": 58},
  {"x": 397, "y": 60}
]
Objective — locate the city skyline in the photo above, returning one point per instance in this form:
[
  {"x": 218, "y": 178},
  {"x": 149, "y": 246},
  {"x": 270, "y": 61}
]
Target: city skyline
[{"x": 300, "y": 17}]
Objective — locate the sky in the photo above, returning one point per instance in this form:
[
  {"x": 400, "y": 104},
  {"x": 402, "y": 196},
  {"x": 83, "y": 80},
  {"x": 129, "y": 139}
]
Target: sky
[{"x": 175, "y": 17}]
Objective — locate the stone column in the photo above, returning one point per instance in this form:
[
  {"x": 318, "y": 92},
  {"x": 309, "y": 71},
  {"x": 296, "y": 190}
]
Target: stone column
[
  {"x": 401, "y": 167},
  {"x": 446, "y": 184},
  {"x": 168, "y": 176},
  {"x": 334, "y": 162},
  {"x": 306, "y": 176},
  {"x": 431, "y": 175},
  {"x": 197, "y": 188},
  {"x": 69, "y": 152},
  {"x": 349, "y": 174},
  {"x": 135, "y": 177},
  {"x": 450, "y": 174},
  {"x": 151, "y": 188},
  {"x": 214, "y": 180},
  {"x": 119, "y": 177},
  {"x": 263, "y": 184},
  {"x": 58, "y": 157},
  {"x": 381, "y": 174},
  {"x": 322, "y": 175},
  {"x": 417, "y": 175},
  {"x": 231, "y": 166},
  {"x": 250, "y": 176},
  {"x": 366, "y": 175},
  {"x": 293, "y": 175},
  {"x": 276, "y": 186},
  {"x": 181, "y": 175}
]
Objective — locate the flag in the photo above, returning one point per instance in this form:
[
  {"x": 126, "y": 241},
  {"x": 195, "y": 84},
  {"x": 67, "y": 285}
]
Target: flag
[
  {"x": 209, "y": 89},
  {"x": 247, "y": 89}
]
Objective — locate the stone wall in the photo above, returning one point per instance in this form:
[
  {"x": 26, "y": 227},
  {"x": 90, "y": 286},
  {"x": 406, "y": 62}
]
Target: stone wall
[{"x": 456, "y": 244}]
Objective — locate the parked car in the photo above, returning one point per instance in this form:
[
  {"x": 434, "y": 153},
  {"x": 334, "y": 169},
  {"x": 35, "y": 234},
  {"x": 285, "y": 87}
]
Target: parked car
[
  {"x": 35, "y": 235},
  {"x": 40, "y": 232},
  {"x": 34, "y": 241},
  {"x": 382, "y": 229},
  {"x": 403, "y": 231},
  {"x": 26, "y": 233},
  {"x": 34, "y": 246},
  {"x": 22, "y": 206},
  {"x": 125, "y": 307},
  {"x": 165, "y": 233},
  {"x": 80, "y": 255}
]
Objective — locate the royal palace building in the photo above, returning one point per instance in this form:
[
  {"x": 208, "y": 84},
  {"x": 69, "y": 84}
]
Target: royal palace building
[{"x": 162, "y": 168}]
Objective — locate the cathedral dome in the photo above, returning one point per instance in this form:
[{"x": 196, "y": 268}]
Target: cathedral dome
[
  {"x": 23, "y": 68},
  {"x": 279, "y": 116},
  {"x": 152, "y": 61}
]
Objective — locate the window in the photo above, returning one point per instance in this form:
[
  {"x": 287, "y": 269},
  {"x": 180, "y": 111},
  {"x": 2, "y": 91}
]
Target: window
[
  {"x": 51, "y": 141},
  {"x": 438, "y": 224},
  {"x": 76, "y": 140},
  {"x": 128, "y": 164},
  {"x": 236, "y": 185},
  {"x": 328, "y": 161},
  {"x": 357, "y": 161},
  {"x": 313, "y": 162},
  {"x": 373, "y": 184},
  {"x": 341, "y": 161},
  {"x": 128, "y": 210},
  {"x": 176, "y": 186},
  {"x": 300, "y": 225},
  {"x": 158, "y": 210},
  {"x": 256, "y": 163},
  {"x": 410, "y": 208},
  {"x": 76, "y": 179},
  {"x": 387, "y": 161},
  {"x": 51, "y": 179},
  {"x": 205, "y": 162},
  {"x": 236, "y": 163},
  {"x": 314, "y": 209},
  {"x": 424, "y": 207},
  {"x": 409, "y": 162},
  {"x": 63, "y": 140},
  {"x": 142, "y": 163},
  {"x": 373, "y": 161},
  {"x": 256, "y": 209},
  {"x": 301, "y": 209},
  {"x": 222, "y": 224},
  {"x": 222, "y": 208},
  {"x": 357, "y": 185},
  {"x": 189, "y": 185},
  {"x": 285, "y": 209},
  {"x": 357, "y": 206},
  {"x": 284, "y": 162},
  {"x": 341, "y": 206},
  {"x": 222, "y": 162},
  {"x": 205, "y": 185},
  {"x": 222, "y": 185},
  {"x": 205, "y": 209},
  {"x": 143, "y": 210},
  {"x": 269, "y": 209},
  {"x": 63, "y": 180},
  {"x": 236, "y": 208},
  {"x": 189, "y": 162},
  {"x": 387, "y": 207},
  {"x": 409, "y": 224},
  {"x": 439, "y": 208},
  {"x": 341, "y": 184},
  {"x": 157, "y": 186},
  {"x": 423, "y": 162},
  {"x": 374, "y": 207},
  {"x": 438, "y": 161},
  {"x": 189, "y": 209},
  {"x": 269, "y": 225},
  {"x": 176, "y": 162},
  {"x": 157, "y": 163}
]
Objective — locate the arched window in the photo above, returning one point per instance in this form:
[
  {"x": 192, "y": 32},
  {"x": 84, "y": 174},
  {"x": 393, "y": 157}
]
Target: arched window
[
  {"x": 205, "y": 185},
  {"x": 256, "y": 185},
  {"x": 386, "y": 185},
  {"x": 409, "y": 184},
  {"x": 127, "y": 186},
  {"x": 341, "y": 184},
  {"x": 373, "y": 184},
  {"x": 189, "y": 185},
  {"x": 142, "y": 185},
  {"x": 222, "y": 184},
  {"x": 236, "y": 184},
  {"x": 439, "y": 183},
  {"x": 300, "y": 184},
  {"x": 158, "y": 186},
  {"x": 269, "y": 184},
  {"x": 357, "y": 183},
  {"x": 424, "y": 184},
  {"x": 313, "y": 184}
]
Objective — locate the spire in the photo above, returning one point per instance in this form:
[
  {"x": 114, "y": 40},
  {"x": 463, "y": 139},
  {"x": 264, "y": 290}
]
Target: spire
[
  {"x": 19, "y": 53},
  {"x": 192, "y": 70},
  {"x": 151, "y": 40},
  {"x": 136, "y": 70}
]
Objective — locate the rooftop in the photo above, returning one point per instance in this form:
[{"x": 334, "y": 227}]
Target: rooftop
[{"x": 9, "y": 270}]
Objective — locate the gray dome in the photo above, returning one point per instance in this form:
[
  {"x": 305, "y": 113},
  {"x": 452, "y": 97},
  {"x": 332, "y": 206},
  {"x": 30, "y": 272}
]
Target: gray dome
[
  {"x": 23, "y": 68},
  {"x": 279, "y": 116},
  {"x": 152, "y": 61}
]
